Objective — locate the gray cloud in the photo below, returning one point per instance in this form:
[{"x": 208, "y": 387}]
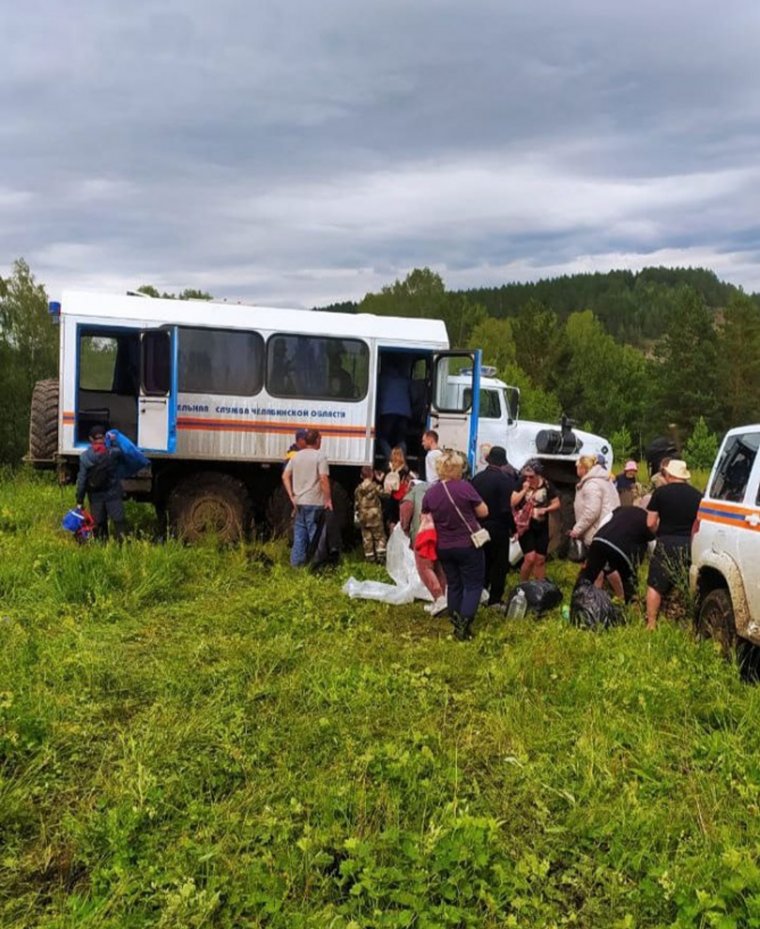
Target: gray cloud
[{"x": 301, "y": 153}]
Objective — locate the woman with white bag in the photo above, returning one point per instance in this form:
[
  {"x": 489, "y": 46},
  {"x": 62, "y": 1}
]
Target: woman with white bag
[{"x": 456, "y": 508}]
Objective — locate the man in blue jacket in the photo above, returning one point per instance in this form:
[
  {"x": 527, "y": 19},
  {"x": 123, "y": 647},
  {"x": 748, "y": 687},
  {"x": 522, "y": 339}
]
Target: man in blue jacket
[{"x": 99, "y": 478}]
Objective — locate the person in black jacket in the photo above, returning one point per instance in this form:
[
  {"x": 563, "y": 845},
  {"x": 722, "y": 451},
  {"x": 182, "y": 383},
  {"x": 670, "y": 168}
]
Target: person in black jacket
[
  {"x": 617, "y": 549},
  {"x": 496, "y": 487},
  {"x": 99, "y": 479}
]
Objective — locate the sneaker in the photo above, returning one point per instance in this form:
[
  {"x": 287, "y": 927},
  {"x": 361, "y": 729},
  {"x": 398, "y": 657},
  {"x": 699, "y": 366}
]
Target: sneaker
[
  {"x": 439, "y": 606},
  {"x": 428, "y": 608},
  {"x": 484, "y": 596}
]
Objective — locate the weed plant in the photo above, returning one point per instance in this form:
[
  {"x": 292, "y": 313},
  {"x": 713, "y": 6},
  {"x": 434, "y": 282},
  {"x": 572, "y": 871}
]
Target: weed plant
[{"x": 195, "y": 737}]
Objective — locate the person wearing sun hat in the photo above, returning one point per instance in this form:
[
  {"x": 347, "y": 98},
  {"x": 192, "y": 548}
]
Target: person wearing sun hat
[
  {"x": 672, "y": 510},
  {"x": 628, "y": 487}
]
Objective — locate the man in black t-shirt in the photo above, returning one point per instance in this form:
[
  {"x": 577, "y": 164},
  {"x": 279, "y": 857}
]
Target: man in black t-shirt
[
  {"x": 672, "y": 511},
  {"x": 617, "y": 550},
  {"x": 496, "y": 488}
]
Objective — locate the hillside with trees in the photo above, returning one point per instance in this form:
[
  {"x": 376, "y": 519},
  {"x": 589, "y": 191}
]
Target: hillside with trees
[{"x": 629, "y": 355}]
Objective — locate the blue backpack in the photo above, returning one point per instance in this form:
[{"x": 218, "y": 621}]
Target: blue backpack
[{"x": 132, "y": 459}]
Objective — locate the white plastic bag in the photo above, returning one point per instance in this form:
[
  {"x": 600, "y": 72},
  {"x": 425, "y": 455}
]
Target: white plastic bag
[
  {"x": 515, "y": 551},
  {"x": 399, "y": 563}
]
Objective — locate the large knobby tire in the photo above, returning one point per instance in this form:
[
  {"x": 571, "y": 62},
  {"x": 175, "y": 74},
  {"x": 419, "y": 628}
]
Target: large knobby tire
[
  {"x": 561, "y": 522},
  {"x": 279, "y": 513},
  {"x": 715, "y": 620},
  {"x": 210, "y": 504},
  {"x": 43, "y": 421}
]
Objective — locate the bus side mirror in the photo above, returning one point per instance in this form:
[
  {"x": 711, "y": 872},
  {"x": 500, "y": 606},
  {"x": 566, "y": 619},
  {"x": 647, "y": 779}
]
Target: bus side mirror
[{"x": 513, "y": 403}]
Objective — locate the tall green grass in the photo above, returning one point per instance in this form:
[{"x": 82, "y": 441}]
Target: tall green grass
[{"x": 199, "y": 737}]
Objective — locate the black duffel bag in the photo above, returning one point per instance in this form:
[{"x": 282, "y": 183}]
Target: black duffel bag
[
  {"x": 540, "y": 596},
  {"x": 592, "y": 608}
]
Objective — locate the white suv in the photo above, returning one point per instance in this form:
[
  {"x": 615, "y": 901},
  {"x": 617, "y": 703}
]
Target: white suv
[{"x": 725, "y": 550}]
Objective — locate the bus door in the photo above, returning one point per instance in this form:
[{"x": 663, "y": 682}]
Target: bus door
[
  {"x": 157, "y": 400},
  {"x": 455, "y": 405}
]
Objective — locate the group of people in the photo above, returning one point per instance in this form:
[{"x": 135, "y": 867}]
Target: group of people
[
  {"x": 615, "y": 523},
  {"x": 462, "y": 530}
]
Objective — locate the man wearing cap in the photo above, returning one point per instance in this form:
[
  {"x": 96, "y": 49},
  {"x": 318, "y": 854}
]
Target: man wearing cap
[
  {"x": 496, "y": 486},
  {"x": 672, "y": 510},
  {"x": 299, "y": 443},
  {"x": 99, "y": 479}
]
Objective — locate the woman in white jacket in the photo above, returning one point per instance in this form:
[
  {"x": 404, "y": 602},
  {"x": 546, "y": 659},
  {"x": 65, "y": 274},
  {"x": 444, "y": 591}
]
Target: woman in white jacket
[{"x": 595, "y": 498}]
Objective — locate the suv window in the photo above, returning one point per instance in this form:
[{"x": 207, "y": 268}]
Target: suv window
[{"x": 734, "y": 468}]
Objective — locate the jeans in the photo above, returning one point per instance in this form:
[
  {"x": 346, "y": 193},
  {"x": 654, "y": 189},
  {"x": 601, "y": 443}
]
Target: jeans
[
  {"x": 304, "y": 533},
  {"x": 464, "y": 569}
]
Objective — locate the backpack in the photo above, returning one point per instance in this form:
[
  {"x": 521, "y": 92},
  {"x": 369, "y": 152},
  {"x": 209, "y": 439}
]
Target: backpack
[
  {"x": 101, "y": 473},
  {"x": 540, "y": 596}
]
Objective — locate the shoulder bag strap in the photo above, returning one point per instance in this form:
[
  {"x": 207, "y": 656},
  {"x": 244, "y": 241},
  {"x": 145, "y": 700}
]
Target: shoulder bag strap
[{"x": 461, "y": 516}]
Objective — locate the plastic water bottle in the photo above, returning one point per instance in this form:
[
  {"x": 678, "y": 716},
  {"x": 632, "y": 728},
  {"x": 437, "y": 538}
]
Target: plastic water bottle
[{"x": 518, "y": 605}]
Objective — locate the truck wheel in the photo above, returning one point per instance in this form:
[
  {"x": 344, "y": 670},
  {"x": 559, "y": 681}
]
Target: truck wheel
[
  {"x": 210, "y": 504},
  {"x": 561, "y": 523},
  {"x": 343, "y": 506},
  {"x": 43, "y": 422},
  {"x": 279, "y": 513},
  {"x": 716, "y": 620}
]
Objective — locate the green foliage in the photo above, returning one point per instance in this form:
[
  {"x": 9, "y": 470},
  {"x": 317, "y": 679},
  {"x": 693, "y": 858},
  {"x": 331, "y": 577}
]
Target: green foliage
[
  {"x": 193, "y": 737},
  {"x": 28, "y": 353},
  {"x": 623, "y": 445},
  {"x": 540, "y": 344},
  {"x": 687, "y": 376},
  {"x": 605, "y": 383},
  {"x": 536, "y": 404},
  {"x": 423, "y": 294},
  {"x": 633, "y": 307},
  {"x": 702, "y": 446},
  {"x": 739, "y": 350},
  {"x": 495, "y": 337},
  {"x": 187, "y": 294}
]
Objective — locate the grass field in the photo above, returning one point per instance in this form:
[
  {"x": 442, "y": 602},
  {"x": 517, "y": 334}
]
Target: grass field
[{"x": 203, "y": 738}]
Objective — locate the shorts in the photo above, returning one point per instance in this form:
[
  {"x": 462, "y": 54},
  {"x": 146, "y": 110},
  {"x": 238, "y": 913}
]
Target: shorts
[
  {"x": 536, "y": 538},
  {"x": 603, "y": 558},
  {"x": 670, "y": 562}
]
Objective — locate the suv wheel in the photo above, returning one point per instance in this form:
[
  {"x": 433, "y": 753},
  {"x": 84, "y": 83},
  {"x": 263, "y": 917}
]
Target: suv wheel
[{"x": 716, "y": 619}]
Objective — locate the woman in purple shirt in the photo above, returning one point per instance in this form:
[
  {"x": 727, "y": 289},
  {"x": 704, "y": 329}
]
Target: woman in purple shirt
[{"x": 456, "y": 506}]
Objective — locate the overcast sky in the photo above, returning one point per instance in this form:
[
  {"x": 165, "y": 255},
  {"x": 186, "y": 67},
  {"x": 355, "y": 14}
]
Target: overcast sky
[{"x": 296, "y": 153}]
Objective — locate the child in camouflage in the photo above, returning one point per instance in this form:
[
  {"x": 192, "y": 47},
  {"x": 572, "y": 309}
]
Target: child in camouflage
[{"x": 369, "y": 513}]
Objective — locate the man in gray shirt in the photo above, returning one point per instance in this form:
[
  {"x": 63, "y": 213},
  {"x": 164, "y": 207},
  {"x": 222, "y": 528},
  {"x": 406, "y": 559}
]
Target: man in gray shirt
[{"x": 307, "y": 481}]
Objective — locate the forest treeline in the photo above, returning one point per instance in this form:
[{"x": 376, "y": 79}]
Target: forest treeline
[{"x": 629, "y": 355}]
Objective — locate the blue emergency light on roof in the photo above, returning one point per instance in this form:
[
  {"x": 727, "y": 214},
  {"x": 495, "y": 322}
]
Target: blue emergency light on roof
[{"x": 54, "y": 308}]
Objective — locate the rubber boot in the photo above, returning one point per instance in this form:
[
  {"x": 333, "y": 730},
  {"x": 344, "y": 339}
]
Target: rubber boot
[{"x": 461, "y": 627}]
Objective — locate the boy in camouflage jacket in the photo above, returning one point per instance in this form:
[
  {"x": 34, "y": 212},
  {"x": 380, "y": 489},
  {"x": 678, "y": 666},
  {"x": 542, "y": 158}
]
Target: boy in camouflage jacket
[{"x": 369, "y": 514}]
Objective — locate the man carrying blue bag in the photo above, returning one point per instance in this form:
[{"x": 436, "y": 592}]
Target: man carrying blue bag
[{"x": 110, "y": 458}]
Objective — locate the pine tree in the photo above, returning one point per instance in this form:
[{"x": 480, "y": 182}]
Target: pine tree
[{"x": 686, "y": 380}]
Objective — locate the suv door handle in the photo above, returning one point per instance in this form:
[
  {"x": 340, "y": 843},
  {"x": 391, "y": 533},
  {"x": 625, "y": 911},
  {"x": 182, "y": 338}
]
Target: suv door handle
[{"x": 753, "y": 519}]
